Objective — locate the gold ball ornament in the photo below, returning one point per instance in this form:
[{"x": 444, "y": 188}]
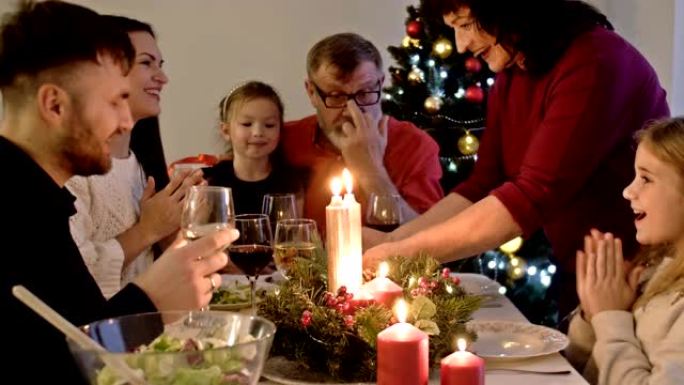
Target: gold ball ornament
[
  {"x": 416, "y": 76},
  {"x": 433, "y": 104},
  {"x": 517, "y": 267},
  {"x": 442, "y": 48},
  {"x": 468, "y": 144},
  {"x": 511, "y": 246}
]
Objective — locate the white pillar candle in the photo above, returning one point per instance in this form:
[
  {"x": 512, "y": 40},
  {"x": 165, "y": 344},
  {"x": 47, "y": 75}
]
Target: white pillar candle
[{"x": 352, "y": 276}]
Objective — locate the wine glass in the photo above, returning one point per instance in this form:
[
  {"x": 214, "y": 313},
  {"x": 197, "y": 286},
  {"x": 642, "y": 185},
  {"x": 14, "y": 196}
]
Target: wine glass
[
  {"x": 279, "y": 207},
  {"x": 294, "y": 238},
  {"x": 205, "y": 210},
  {"x": 252, "y": 251},
  {"x": 384, "y": 212}
]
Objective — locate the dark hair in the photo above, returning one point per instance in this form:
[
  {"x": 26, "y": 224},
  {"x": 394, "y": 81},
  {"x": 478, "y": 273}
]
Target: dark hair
[
  {"x": 52, "y": 36},
  {"x": 129, "y": 25},
  {"x": 540, "y": 29},
  {"x": 147, "y": 146},
  {"x": 345, "y": 51}
]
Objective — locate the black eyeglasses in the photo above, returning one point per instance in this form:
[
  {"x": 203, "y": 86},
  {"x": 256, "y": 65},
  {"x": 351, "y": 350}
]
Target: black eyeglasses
[{"x": 339, "y": 100}]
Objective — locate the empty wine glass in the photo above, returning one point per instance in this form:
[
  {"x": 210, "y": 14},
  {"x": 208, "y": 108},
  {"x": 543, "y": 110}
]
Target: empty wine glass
[
  {"x": 384, "y": 212},
  {"x": 279, "y": 207},
  {"x": 205, "y": 210},
  {"x": 252, "y": 251},
  {"x": 294, "y": 238}
]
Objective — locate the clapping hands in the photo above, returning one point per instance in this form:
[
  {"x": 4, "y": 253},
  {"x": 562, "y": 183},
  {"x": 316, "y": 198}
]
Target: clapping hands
[{"x": 603, "y": 280}]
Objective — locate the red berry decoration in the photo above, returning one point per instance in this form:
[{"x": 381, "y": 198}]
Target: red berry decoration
[
  {"x": 446, "y": 272},
  {"x": 414, "y": 29},
  {"x": 473, "y": 65},
  {"x": 456, "y": 280},
  {"x": 474, "y": 94},
  {"x": 342, "y": 290},
  {"x": 306, "y": 318}
]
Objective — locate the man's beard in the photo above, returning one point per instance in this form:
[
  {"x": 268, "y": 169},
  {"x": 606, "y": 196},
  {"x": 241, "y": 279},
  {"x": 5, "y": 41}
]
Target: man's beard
[{"x": 81, "y": 152}]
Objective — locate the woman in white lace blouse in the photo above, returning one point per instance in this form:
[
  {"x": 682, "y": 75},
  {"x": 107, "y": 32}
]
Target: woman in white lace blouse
[{"x": 119, "y": 215}]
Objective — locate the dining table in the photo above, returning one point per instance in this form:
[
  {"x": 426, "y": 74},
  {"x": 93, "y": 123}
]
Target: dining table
[{"x": 499, "y": 308}]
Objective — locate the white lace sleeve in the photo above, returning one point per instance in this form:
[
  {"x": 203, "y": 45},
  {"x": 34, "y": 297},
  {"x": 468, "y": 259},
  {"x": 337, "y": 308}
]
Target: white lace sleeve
[{"x": 103, "y": 258}]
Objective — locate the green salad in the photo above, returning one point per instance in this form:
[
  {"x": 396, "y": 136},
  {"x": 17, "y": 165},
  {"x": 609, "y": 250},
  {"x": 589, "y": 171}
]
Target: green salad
[
  {"x": 235, "y": 295},
  {"x": 192, "y": 361}
]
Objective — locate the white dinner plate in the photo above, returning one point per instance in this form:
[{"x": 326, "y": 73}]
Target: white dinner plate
[{"x": 509, "y": 340}]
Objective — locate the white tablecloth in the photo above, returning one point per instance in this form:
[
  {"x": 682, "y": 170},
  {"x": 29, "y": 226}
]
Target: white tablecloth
[{"x": 503, "y": 309}]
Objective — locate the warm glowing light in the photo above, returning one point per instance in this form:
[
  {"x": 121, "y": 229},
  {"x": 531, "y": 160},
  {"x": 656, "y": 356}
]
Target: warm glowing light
[
  {"x": 348, "y": 183},
  {"x": 383, "y": 270},
  {"x": 512, "y": 246},
  {"x": 401, "y": 310},
  {"x": 461, "y": 344},
  {"x": 336, "y": 186}
]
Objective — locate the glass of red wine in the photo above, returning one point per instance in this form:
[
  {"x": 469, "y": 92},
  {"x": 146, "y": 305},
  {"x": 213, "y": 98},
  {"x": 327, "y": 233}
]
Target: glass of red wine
[
  {"x": 384, "y": 212},
  {"x": 252, "y": 251}
]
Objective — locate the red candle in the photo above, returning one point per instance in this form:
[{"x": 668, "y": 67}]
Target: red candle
[
  {"x": 382, "y": 289},
  {"x": 402, "y": 352},
  {"x": 462, "y": 367}
]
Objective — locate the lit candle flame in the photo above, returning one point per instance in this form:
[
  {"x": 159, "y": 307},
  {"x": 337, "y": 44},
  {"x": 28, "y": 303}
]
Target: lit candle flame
[
  {"x": 461, "y": 344},
  {"x": 348, "y": 183},
  {"x": 336, "y": 186},
  {"x": 383, "y": 270},
  {"x": 401, "y": 310}
]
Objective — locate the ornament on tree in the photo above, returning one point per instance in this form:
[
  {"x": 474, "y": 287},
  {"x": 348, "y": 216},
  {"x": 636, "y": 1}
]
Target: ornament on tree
[
  {"x": 409, "y": 42},
  {"x": 473, "y": 65},
  {"x": 442, "y": 48},
  {"x": 433, "y": 104},
  {"x": 517, "y": 267},
  {"x": 474, "y": 94},
  {"x": 416, "y": 76},
  {"x": 468, "y": 144},
  {"x": 511, "y": 246},
  {"x": 414, "y": 28}
]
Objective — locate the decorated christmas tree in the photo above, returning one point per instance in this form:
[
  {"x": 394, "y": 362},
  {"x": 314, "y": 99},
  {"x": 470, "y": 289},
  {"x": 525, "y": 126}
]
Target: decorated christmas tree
[
  {"x": 439, "y": 90},
  {"x": 444, "y": 93}
]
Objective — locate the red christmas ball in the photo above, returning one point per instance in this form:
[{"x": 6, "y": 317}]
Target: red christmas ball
[
  {"x": 414, "y": 29},
  {"x": 474, "y": 94},
  {"x": 473, "y": 65}
]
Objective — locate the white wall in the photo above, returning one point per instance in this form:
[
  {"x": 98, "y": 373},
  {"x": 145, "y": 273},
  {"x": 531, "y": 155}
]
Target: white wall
[{"x": 210, "y": 45}]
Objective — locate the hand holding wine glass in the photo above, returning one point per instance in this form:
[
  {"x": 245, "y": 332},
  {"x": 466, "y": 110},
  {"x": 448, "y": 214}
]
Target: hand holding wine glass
[
  {"x": 384, "y": 212},
  {"x": 252, "y": 251},
  {"x": 295, "y": 238}
]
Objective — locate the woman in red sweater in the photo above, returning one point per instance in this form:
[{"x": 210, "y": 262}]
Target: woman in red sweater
[{"x": 556, "y": 154}]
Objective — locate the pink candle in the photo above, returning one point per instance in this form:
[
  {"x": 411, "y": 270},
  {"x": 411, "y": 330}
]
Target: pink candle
[
  {"x": 462, "y": 367},
  {"x": 402, "y": 352},
  {"x": 382, "y": 289}
]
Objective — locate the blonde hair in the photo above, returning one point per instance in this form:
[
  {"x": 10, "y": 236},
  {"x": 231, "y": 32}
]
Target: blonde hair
[
  {"x": 665, "y": 140},
  {"x": 243, "y": 93}
]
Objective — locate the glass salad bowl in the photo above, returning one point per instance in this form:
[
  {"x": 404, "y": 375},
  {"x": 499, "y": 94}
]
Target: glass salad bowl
[{"x": 179, "y": 348}]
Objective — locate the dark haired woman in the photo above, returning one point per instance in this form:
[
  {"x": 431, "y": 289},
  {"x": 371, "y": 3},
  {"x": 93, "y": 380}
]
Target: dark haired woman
[{"x": 569, "y": 95}]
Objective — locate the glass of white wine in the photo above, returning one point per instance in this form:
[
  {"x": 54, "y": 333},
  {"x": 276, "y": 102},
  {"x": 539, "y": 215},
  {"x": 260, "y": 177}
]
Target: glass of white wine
[
  {"x": 295, "y": 238},
  {"x": 207, "y": 209}
]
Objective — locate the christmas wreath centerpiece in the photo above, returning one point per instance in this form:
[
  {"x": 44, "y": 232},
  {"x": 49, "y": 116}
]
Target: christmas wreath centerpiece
[{"x": 336, "y": 333}]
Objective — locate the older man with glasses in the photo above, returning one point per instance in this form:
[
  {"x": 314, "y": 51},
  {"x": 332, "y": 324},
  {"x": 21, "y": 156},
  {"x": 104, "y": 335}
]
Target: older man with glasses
[{"x": 386, "y": 156}]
